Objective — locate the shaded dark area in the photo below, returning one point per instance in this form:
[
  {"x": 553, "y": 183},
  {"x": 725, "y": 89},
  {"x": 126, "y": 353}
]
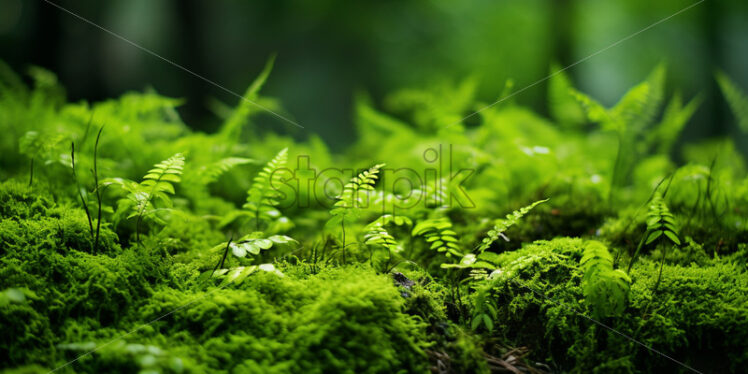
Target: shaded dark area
[{"x": 329, "y": 50}]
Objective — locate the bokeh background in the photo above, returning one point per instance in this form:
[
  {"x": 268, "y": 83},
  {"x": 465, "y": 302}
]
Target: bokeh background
[{"x": 330, "y": 49}]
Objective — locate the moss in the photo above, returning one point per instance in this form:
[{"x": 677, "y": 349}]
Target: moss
[
  {"x": 565, "y": 214},
  {"x": 340, "y": 320},
  {"x": 48, "y": 253},
  {"x": 699, "y": 314}
]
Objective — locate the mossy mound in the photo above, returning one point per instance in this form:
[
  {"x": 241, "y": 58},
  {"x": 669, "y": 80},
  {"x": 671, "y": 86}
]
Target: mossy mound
[
  {"x": 340, "y": 320},
  {"x": 45, "y": 249},
  {"x": 698, "y": 315}
]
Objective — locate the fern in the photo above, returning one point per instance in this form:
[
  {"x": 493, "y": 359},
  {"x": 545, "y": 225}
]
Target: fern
[
  {"x": 262, "y": 197},
  {"x": 660, "y": 224},
  {"x": 628, "y": 119},
  {"x": 249, "y": 103},
  {"x": 564, "y": 109},
  {"x": 348, "y": 206},
  {"x": 237, "y": 275},
  {"x": 376, "y": 234},
  {"x": 674, "y": 118},
  {"x": 252, "y": 244},
  {"x": 484, "y": 261},
  {"x": 210, "y": 173},
  {"x": 736, "y": 98},
  {"x": 157, "y": 185},
  {"x": 438, "y": 232},
  {"x": 605, "y": 289},
  {"x": 501, "y": 225},
  {"x": 484, "y": 312}
]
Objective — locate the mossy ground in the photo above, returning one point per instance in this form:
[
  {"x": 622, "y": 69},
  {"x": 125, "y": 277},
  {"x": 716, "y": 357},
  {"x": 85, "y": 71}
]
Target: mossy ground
[{"x": 144, "y": 297}]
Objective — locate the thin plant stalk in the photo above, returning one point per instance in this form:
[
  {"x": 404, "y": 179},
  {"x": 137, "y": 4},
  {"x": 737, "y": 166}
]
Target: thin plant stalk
[
  {"x": 97, "y": 189},
  {"x": 31, "y": 172},
  {"x": 80, "y": 194}
]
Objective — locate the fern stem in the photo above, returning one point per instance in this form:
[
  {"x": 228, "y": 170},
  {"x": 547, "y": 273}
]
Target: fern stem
[
  {"x": 98, "y": 192},
  {"x": 225, "y": 252},
  {"x": 659, "y": 276},
  {"x": 342, "y": 226},
  {"x": 31, "y": 172},
  {"x": 636, "y": 253},
  {"x": 616, "y": 171},
  {"x": 80, "y": 194}
]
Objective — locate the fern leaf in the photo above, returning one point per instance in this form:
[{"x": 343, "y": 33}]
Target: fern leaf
[
  {"x": 605, "y": 289},
  {"x": 351, "y": 200},
  {"x": 439, "y": 234},
  {"x": 377, "y": 235},
  {"x": 210, "y": 173},
  {"x": 595, "y": 111},
  {"x": 674, "y": 118},
  {"x": 736, "y": 98},
  {"x": 638, "y": 107},
  {"x": 237, "y": 275},
  {"x": 157, "y": 184},
  {"x": 503, "y": 224},
  {"x": 262, "y": 197},
  {"x": 564, "y": 109},
  {"x": 232, "y": 128},
  {"x": 660, "y": 222}
]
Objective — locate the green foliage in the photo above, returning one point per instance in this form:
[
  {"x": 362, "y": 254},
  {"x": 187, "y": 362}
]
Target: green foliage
[
  {"x": 262, "y": 198},
  {"x": 249, "y": 104},
  {"x": 281, "y": 305},
  {"x": 354, "y": 197},
  {"x": 674, "y": 119},
  {"x": 377, "y": 235},
  {"x": 501, "y": 225},
  {"x": 605, "y": 289},
  {"x": 544, "y": 281},
  {"x": 736, "y": 98},
  {"x": 660, "y": 222},
  {"x": 439, "y": 234},
  {"x": 210, "y": 173},
  {"x": 564, "y": 109},
  {"x": 660, "y": 225},
  {"x": 339, "y": 320},
  {"x": 629, "y": 119},
  {"x": 252, "y": 244},
  {"x": 237, "y": 275},
  {"x": 157, "y": 185}
]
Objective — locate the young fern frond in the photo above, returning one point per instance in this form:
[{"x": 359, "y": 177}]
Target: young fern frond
[
  {"x": 210, "y": 173},
  {"x": 262, "y": 197},
  {"x": 501, "y": 225},
  {"x": 605, "y": 289},
  {"x": 350, "y": 202},
  {"x": 484, "y": 311},
  {"x": 660, "y": 224},
  {"x": 438, "y": 232},
  {"x": 736, "y": 98},
  {"x": 377, "y": 235},
  {"x": 157, "y": 185}
]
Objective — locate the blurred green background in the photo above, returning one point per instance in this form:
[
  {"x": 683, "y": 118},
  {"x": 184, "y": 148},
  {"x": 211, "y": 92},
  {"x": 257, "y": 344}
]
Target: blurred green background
[{"x": 330, "y": 49}]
